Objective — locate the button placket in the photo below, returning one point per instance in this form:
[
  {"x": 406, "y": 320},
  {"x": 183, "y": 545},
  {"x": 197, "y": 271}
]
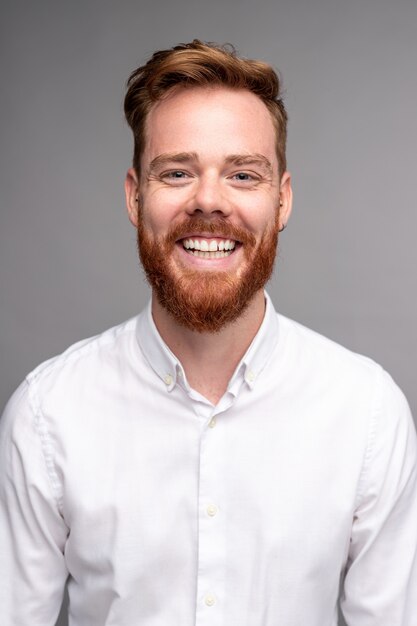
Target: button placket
[{"x": 211, "y": 542}]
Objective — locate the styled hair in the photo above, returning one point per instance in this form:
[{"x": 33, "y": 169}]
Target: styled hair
[{"x": 201, "y": 64}]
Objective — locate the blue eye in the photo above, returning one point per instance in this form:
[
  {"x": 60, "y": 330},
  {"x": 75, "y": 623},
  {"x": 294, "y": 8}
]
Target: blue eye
[
  {"x": 175, "y": 174},
  {"x": 245, "y": 177}
]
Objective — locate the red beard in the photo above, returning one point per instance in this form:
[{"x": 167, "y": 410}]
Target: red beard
[{"x": 205, "y": 301}]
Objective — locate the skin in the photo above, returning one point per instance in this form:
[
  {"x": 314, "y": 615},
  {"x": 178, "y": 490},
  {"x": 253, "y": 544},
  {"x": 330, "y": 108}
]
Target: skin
[{"x": 209, "y": 152}]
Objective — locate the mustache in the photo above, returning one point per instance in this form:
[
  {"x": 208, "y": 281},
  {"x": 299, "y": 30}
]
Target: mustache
[{"x": 218, "y": 226}]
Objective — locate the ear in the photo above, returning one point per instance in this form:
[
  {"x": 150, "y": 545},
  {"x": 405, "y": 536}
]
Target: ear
[
  {"x": 132, "y": 195},
  {"x": 285, "y": 200}
]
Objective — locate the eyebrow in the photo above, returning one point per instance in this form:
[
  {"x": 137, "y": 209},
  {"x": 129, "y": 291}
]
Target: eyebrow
[
  {"x": 171, "y": 157},
  {"x": 250, "y": 159},
  {"x": 186, "y": 157}
]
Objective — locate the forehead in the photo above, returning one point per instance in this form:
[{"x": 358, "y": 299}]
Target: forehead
[{"x": 210, "y": 120}]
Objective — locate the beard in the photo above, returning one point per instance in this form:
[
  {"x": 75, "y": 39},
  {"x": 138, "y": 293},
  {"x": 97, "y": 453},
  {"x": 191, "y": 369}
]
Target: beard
[{"x": 206, "y": 300}]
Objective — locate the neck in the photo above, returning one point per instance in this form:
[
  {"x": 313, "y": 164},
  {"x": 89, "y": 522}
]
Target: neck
[{"x": 209, "y": 359}]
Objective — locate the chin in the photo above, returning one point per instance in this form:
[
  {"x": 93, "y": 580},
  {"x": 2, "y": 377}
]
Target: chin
[{"x": 201, "y": 299}]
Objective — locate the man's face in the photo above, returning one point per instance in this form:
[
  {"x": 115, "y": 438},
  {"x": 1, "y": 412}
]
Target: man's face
[{"x": 208, "y": 210}]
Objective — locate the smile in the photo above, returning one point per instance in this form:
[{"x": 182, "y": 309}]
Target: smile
[{"x": 209, "y": 248}]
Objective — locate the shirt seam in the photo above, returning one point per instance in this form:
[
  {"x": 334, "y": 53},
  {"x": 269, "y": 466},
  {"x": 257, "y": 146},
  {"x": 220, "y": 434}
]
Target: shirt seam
[
  {"x": 371, "y": 440},
  {"x": 47, "y": 448}
]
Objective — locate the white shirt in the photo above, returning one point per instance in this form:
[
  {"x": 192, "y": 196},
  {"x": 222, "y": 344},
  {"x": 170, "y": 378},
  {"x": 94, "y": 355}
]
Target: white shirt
[{"x": 165, "y": 510}]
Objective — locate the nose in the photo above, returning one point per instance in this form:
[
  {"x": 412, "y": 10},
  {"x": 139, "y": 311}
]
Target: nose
[{"x": 209, "y": 197}]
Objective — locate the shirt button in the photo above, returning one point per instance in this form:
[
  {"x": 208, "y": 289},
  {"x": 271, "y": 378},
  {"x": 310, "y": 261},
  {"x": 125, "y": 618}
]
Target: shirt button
[
  {"x": 210, "y": 599},
  {"x": 250, "y": 376},
  {"x": 168, "y": 379},
  {"x": 212, "y": 422},
  {"x": 212, "y": 510}
]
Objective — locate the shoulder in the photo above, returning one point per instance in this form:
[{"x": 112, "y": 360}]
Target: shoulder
[
  {"x": 104, "y": 349},
  {"x": 314, "y": 352},
  {"x": 78, "y": 369},
  {"x": 363, "y": 401},
  {"x": 328, "y": 368}
]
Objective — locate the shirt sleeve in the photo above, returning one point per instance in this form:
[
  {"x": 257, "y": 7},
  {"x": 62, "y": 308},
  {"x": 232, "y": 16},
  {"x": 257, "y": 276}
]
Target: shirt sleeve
[
  {"x": 380, "y": 586},
  {"x": 32, "y": 530}
]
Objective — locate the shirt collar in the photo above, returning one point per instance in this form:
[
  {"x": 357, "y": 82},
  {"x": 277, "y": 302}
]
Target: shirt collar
[
  {"x": 261, "y": 348},
  {"x": 164, "y": 362},
  {"x": 166, "y": 365}
]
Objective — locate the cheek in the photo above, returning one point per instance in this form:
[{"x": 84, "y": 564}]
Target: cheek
[
  {"x": 260, "y": 218},
  {"x": 159, "y": 211}
]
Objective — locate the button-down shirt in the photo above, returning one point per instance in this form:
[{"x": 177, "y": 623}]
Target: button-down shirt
[{"x": 165, "y": 510}]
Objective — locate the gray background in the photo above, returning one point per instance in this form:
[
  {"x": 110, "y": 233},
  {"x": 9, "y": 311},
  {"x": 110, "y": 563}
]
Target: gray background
[{"x": 347, "y": 264}]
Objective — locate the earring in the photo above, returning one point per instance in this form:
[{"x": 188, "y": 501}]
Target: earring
[{"x": 284, "y": 225}]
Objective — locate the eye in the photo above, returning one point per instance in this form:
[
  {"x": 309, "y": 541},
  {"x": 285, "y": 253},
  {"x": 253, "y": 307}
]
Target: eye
[
  {"x": 245, "y": 178},
  {"x": 175, "y": 177},
  {"x": 175, "y": 174}
]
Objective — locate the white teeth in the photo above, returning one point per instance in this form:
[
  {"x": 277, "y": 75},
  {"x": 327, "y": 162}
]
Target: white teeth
[
  {"x": 210, "y": 255},
  {"x": 209, "y": 245}
]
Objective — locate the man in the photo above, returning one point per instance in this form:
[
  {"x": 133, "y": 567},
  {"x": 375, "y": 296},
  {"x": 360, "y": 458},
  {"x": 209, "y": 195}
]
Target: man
[{"x": 210, "y": 461}]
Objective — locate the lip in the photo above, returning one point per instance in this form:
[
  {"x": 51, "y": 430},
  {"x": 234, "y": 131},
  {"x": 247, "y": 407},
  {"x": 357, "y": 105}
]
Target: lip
[{"x": 203, "y": 235}]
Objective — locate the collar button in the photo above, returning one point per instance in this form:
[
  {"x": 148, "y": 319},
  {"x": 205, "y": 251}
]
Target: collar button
[
  {"x": 250, "y": 376},
  {"x": 168, "y": 380}
]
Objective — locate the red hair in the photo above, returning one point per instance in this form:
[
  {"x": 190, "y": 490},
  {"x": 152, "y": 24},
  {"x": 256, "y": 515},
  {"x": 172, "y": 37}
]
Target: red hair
[{"x": 201, "y": 64}]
